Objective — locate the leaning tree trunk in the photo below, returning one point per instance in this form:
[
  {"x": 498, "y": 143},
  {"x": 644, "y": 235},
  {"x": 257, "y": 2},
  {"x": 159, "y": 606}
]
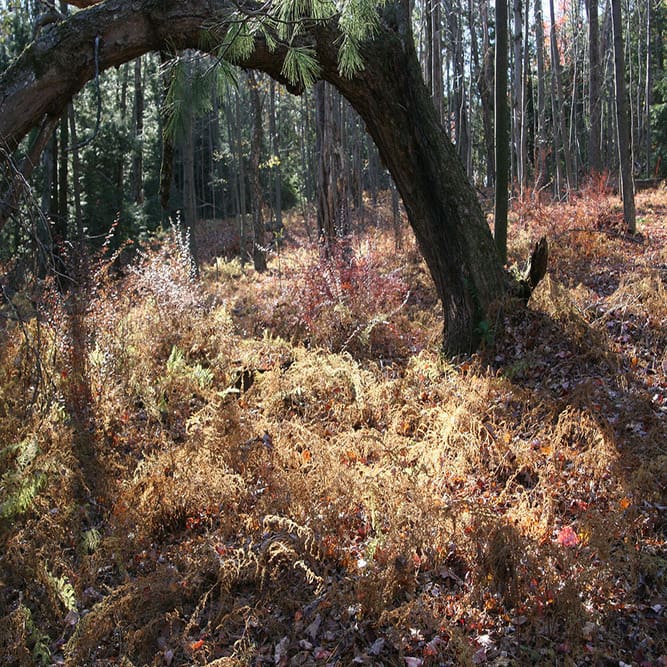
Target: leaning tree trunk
[{"x": 389, "y": 94}]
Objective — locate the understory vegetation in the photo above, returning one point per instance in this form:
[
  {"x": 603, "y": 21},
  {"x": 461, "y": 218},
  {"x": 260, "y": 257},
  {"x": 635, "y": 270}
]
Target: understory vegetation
[{"x": 281, "y": 468}]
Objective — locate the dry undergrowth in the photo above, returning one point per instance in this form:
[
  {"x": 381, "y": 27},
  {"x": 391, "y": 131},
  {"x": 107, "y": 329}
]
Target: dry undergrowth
[{"x": 201, "y": 486}]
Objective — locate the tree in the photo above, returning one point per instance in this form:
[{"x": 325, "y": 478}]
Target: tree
[
  {"x": 623, "y": 121},
  {"x": 518, "y": 98},
  {"x": 541, "y": 134},
  {"x": 258, "y": 243},
  {"x": 389, "y": 94},
  {"x": 502, "y": 130},
  {"x": 332, "y": 210},
  {"x": 560, "y": 132},
  {"x": 594, "y": 102},
  {"x": 483, "y": 74}
]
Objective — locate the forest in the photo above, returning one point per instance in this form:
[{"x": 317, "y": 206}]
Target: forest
[{"x": 333, "y": 333}]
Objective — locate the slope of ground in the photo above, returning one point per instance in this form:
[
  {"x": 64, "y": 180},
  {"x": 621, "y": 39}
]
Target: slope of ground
[{"x": 282, "y": 470}]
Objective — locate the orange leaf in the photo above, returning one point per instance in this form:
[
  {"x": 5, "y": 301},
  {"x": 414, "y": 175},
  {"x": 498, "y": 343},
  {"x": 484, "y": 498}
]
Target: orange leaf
[
  {"x": 306, "y": 455},
  {"x": 624, "y": 503},
  {"x": 195, "y": 646}
]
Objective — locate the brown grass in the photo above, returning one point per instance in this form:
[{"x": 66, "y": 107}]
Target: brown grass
[{"x": 205, "y": 482}]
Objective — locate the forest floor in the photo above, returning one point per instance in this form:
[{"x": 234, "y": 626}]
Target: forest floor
[{"x": 282, "y": 469}]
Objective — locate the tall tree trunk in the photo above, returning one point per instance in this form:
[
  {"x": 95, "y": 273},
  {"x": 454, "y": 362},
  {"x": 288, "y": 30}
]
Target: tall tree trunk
[
  {"x": 484, "y": 89},
  {"x": 396, "y": 216},
  {"x": 460, "y": 107},
  {"x": 63, "y": 179},
  {"x": 332, "y": 217},
  {"x": 594, "y": 89},
  {"x": 167, "y": 141},
  {"x": 518, "y": 106},
  {"x": 648, "y": 91},
  {"x": 560, "y": 128},
  {"x": 243, "y": 200},
  {"x": 138, "y": 155},
  {"x": 307, "y": 163},
  {"x": 541, "y": 175},
  {"x": 121, "y": 97},
  {"x": 436, "y": 57},
  {"x": 190, "y": 212},
  {"x": 502, "y": 131},
  {"x": 275, "y": 155},
  {"x": 258, "y": 242},
  {"x": 230, "y": 115},
  {"x": 623, "y": 121},
  {"x": 76, "y": 177}
]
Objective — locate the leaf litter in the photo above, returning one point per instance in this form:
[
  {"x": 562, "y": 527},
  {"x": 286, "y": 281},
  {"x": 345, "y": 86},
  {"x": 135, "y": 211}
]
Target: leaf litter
[{"x": 333, "y": 498}]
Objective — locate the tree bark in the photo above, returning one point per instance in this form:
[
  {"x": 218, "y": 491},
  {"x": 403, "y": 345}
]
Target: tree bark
[
  {"x": 190, "y": 209},
  {"x": 138, "y": 116},
  {"x": 623, "y": 121},
  {"x": 502, "y": 125},
  {"x": 332, "y": 187},
  {"x": 275, "y": 157},
  {"x": 594, "y": 88},
  {"x": 518, "y": 105},
  {"x": 541, "y": 176},
  {"x": 389, "y": 94},
  {"x": 258, "y": 242},
  {"x": 560, "y": 130}
]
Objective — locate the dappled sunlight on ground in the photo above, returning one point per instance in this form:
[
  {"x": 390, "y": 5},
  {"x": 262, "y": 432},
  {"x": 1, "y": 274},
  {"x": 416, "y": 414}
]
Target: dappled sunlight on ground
[{"x": 282, "y": 469}]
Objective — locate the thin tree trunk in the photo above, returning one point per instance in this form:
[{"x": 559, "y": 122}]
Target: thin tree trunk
[
  {"x": 243, "y": 234},
  {"x": 623, "y": 121},
  {"x": 258, "y": 242},
  {"x": 275, "y": 154},
  {"x": 459, "y": 96},
  {"x": 189, "y": 193},
  {"x": 76, "y": 175},
  {"x": 307, "y": 163},
  {"x": 38, "y": 149},
  {"x": 594, "y": 89},
  {"x": 648, "y": 93},
  {"x": 557, "y": 89},
  {"x": 63, "y": 179},
  {"x": 518, "y": 107},
  {"x": 541, "y": 175},
  {"x": 502, "y": 131},
  {"x": 138, "y": 155},
  {"x": 436, "y": 52},
  {"x": 234, "y": 168}
]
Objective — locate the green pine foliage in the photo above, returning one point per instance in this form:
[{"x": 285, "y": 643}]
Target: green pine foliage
[{"x": 285, "y": 21}]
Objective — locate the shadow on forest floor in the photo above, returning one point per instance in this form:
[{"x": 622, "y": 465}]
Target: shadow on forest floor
[{"x": 251, "y": 500}]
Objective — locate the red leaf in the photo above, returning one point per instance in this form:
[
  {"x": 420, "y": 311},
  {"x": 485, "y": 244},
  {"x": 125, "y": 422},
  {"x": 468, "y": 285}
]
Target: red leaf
[{"x": 567, "y": 537}]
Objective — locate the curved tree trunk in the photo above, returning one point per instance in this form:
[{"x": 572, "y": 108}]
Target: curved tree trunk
[{"x": 389, "y": 94}]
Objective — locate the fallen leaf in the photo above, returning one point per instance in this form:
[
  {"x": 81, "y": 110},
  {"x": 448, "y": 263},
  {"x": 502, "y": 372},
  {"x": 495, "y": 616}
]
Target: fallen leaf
[
  {"x": 280, "y": 650},
  {"x": 314, "y": 627},
  {"x": 377, "y": 647},
  {"x": 195, "y": 646},
  {"x": 413, "y": 662},
  {"x": 567, "y": 537}
]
